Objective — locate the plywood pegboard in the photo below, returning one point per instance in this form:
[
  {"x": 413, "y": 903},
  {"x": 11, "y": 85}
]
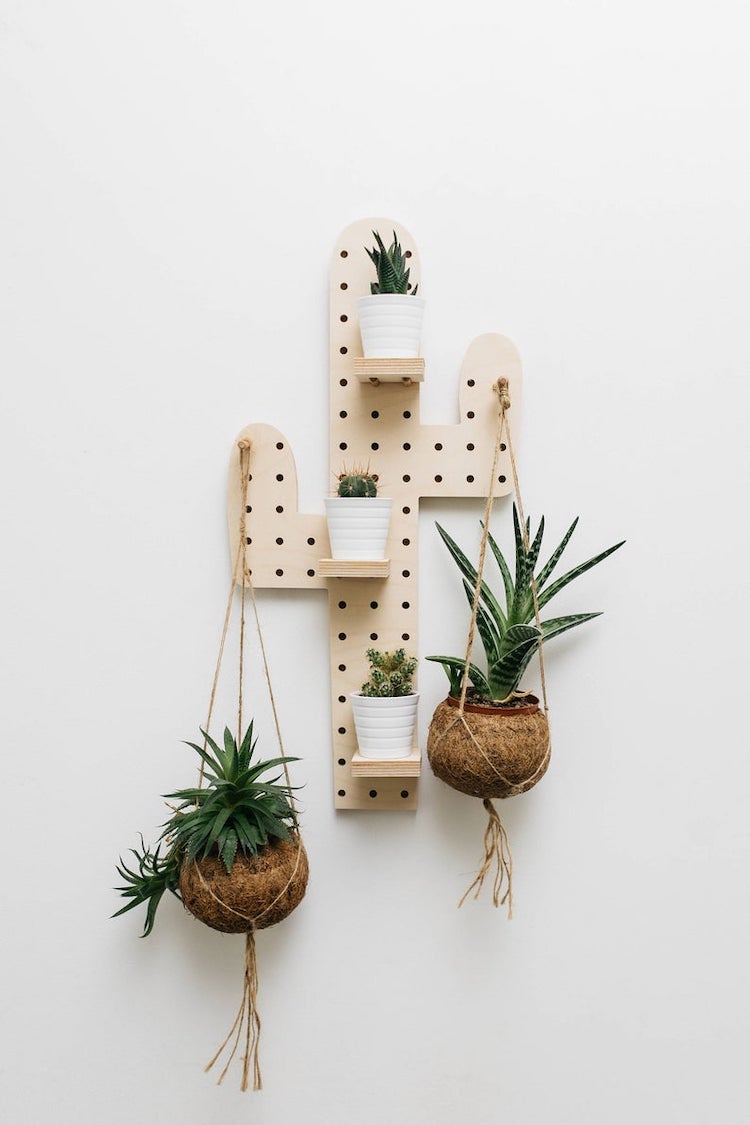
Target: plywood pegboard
[{"x": 374, "y": 420}]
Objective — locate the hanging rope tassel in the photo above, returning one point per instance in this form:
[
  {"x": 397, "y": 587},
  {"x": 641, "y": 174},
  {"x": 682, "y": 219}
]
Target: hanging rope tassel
[
  {"x": 496, "y": 851},
  {"x": 248, "y": 1017}
]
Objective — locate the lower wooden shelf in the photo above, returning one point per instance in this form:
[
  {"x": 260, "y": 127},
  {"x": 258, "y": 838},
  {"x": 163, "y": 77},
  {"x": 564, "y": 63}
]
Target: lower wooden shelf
[
  {"x": 354, "y": 568},
  {"x": 377, "y": 371},
  {"x": 387, "y": 767}
]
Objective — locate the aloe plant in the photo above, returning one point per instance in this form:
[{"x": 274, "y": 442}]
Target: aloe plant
[
  {"x": 390, "y": 267},
  {"x": 507, "y": 635},
  {"x": 234, "y": 811},
  {"x": 390, "y": 674}
]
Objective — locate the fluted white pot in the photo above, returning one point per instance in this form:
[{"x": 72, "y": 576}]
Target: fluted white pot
[
  {"x": 385, "y": 724},
  {"x": 391, "y": 325},
  {"x": 358, "y": 526}
]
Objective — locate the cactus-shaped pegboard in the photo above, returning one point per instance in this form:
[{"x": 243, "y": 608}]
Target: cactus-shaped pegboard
[{"x": 374, "y": 419}]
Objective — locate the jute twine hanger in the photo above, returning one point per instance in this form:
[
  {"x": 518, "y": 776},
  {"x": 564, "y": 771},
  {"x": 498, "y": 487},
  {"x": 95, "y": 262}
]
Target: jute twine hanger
[
  {"x": 497, "y": 850},
  {"x": 247, "y": 1014}
]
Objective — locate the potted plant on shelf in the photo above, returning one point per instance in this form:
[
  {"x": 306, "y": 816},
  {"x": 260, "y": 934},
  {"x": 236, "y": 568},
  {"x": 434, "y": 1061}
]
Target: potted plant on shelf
[
  {"x": 390, "y": 319},
  {"x": 231, "y": 851},
  {"x": 502, "y": 745},
  {"x": 385, "y": 709},
  {"x": 358, "y": 519}
]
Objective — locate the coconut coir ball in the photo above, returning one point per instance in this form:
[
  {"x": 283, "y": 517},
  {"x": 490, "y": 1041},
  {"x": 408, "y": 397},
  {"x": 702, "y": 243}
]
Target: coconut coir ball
[
  {"x": 258, "y": 892},
  {"x": 511, "y": 756}
]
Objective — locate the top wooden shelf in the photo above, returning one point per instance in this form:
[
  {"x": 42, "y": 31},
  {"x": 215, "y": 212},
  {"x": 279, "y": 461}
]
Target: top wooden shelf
[{"x": 377, "y": 371}]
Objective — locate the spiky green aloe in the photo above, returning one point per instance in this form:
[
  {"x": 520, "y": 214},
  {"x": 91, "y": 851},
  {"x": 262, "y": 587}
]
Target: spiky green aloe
[
  {"x": 233, "y": 811},
  {"x": 155, "y": 874},
  {"x": 390, "y": 266},
  {"x": 508, "y": 638}
]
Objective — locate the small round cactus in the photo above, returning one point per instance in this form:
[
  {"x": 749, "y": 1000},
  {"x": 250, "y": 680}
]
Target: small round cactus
[{"x": 358, "y": 482}]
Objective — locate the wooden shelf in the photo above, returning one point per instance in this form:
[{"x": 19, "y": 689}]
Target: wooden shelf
[
  {"x": 354, "y": 568},
  {"x": 387, "y": 767},
  {"x": 377, "y": 371}
]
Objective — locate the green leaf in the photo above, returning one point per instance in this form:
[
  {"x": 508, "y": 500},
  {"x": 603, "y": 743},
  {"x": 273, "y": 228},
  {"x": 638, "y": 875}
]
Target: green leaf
[
  {"x": 469, "y": 572},
  {"x": 455, "y": 665},
  {"x": 552, "y": 562},
  {"x": 554, "y": 626},
  {"x": 549, "y": 593}
]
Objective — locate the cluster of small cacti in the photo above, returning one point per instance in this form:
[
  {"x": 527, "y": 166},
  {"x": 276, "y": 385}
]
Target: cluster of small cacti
[
  {"x": 390, "y": 673},
  {"x": 390, "y": 266},
  {"x": 358, "y": 482}
]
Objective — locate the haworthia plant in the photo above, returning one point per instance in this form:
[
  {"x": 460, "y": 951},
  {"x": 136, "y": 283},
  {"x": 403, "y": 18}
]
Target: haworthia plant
[
  {"x": 506, "y": 633},
  {"x": 390, "y": 266}
]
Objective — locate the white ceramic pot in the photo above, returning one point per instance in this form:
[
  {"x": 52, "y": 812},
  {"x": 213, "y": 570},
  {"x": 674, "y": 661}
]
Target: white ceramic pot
[
  {"x": 391, "y": 325},
  {"x": 385, "y": 724},
  {"x": 358, "y": 526}
]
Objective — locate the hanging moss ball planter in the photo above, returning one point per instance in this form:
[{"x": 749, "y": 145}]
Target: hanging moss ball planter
[
  {"x": 489, "y": 751},
  {"x": 258, "y": 892}
]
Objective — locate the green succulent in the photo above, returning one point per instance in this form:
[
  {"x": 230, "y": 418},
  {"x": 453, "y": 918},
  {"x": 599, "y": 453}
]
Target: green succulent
[
  {"x": 357, "y": 482},
  {"x": 390, "y": 266},
  {"x": 155, "y": 874},
  {"x": 390, "y": 673},
  {"x": 508, "y": 638},
  {"x": 233, "y": 811}
]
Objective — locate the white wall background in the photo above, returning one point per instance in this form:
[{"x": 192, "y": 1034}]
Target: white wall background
[{"x": 576, "y": 176}]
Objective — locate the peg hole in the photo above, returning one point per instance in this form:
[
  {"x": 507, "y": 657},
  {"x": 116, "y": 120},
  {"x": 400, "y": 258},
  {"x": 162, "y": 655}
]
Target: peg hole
[
  {"x": 342, "y": 761},
  {"x": 470, "y": 383},
  {"x": 407, "y": 445},
  {"x": 343, "y": 445},
  {"x": 342, "y": 605},
  {"x": 405, "y": 542},
  {"x": 343, "y": 318},
  {"x": 342, "y": 667},
  {"x": 279, "y": 508},
  {"x": 373, "y": 636},
  {"x": 343, "y": 414},
  {"x": 373, "y": 792},
  {"x": 375, "y": 414},
  {"x": 405, "y": 605},
  {"x": 470, "y": 479},
  {"x": 404, "y": 636},
  {"x": 344, "y": 253},
  {"x": 374, "y": 445},
  {"x": 406, "y": 510},
  {"x": 342, "y": 792},
  {"x": 342, "y": 636},
  {"x": 404, "y": 793},
  {"x": 279, "y": 445},
  {"x": 438, "y": 479},
  {"x": 469, "y": 413},
  {"x": 343, "y": 285},
  {"x": 470, "y": 447},
  {"x": 406, "y": 574},
  {"x": 311, "y": 542},
  {"x": 407, "y": 414},
  {"x": 343, "y": 382},
  {"x": 343, "y": 351},
  {"x": 279, "y": 476},
  {"x": 438, "y": 445},
  {"x": 311, "y": 574},
  {"x": 279, "y": 542},
  {"x": 342, "y": 730},
  {"x": 373, "y": 605},
  {"x": 279, "y": 573}
]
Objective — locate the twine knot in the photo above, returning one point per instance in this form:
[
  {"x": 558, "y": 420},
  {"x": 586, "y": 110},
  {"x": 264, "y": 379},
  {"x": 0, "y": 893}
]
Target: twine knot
[{"x": 501, "y": 388}]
